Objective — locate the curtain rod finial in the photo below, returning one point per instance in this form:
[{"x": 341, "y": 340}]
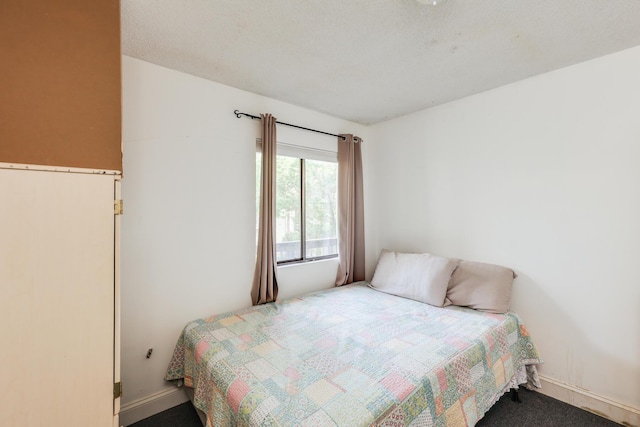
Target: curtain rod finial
[{"x": 237, "y": 113}]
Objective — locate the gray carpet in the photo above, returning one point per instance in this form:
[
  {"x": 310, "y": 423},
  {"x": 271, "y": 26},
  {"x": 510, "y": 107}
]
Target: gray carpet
[{"x": 536, "y": 410}]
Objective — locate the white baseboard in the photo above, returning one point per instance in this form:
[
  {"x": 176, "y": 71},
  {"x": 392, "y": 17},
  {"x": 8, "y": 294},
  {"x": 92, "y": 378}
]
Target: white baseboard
[
  {"x": 583, "y": 399},
  {"x": 143, "y": 408}
]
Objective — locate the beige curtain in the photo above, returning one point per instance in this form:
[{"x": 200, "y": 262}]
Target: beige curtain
[
  {"x": 350, "y": 211},
  {"x": 265, "y": 278}
]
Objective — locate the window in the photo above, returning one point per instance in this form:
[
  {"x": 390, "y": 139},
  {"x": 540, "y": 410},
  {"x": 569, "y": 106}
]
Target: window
[{"x": 306, "y": 203}]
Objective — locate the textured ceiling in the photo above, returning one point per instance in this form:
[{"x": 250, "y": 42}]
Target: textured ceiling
[{"x": 371, "y": 60}]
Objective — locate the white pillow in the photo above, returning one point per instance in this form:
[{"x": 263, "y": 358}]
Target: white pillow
[{"x": 421, "y": 277}]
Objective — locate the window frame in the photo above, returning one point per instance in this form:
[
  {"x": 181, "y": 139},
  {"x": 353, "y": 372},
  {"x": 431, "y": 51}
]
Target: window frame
[{"x": 302, "y": 154}]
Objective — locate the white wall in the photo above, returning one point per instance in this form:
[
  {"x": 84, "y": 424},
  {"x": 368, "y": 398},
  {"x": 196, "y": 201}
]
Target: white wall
[
  {"x": 542, "y": 176},
  {"x": 188, "y": 229}
]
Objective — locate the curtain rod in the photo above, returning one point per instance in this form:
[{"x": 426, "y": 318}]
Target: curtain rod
[{"x": 238, "y": 114}]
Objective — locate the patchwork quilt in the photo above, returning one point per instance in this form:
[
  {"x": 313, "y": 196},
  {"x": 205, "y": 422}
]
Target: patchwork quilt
[{"x": 351, "y": 356}]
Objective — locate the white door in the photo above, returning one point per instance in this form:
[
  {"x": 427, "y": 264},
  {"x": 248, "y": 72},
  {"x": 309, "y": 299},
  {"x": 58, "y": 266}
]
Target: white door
[{"x": 56, "y": 299}]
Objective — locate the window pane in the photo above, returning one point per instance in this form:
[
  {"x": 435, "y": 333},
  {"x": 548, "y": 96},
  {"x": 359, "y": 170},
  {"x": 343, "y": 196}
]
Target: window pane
[
  {"x": 288, "y": 209},
  {"x": 321, "y": 179}
]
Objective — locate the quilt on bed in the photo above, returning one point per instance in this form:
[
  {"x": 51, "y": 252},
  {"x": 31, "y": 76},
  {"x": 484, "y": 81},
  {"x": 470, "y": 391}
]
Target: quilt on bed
[{"x": 351, "y": 356}]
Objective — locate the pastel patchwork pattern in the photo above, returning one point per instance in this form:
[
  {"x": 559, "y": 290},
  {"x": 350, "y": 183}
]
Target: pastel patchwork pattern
[{"x": 352, "y": 356}]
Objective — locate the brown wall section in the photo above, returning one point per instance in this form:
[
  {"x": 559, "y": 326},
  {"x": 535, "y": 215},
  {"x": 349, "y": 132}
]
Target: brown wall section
[{"x": 60, "y": 84}]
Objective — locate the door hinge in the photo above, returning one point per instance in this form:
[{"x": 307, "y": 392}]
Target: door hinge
[
  {"x": 117, "y": 390},
  {"x": 117, "y": 207}
]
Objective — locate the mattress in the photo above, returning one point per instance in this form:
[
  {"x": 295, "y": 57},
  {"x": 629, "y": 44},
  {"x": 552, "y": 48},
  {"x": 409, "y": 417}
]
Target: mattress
[{"x": 351, "y": 356}]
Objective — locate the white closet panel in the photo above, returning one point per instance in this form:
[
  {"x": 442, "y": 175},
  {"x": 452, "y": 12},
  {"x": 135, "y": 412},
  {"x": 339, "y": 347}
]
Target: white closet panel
[{"x": 56, "y": 299}]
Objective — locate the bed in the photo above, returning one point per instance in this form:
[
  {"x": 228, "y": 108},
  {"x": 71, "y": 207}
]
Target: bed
[{"x": 352, "y": 356}]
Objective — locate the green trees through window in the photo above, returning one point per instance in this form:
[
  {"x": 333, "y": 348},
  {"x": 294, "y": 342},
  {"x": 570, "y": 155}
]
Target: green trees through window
[{"x": 306, "y": 208}]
